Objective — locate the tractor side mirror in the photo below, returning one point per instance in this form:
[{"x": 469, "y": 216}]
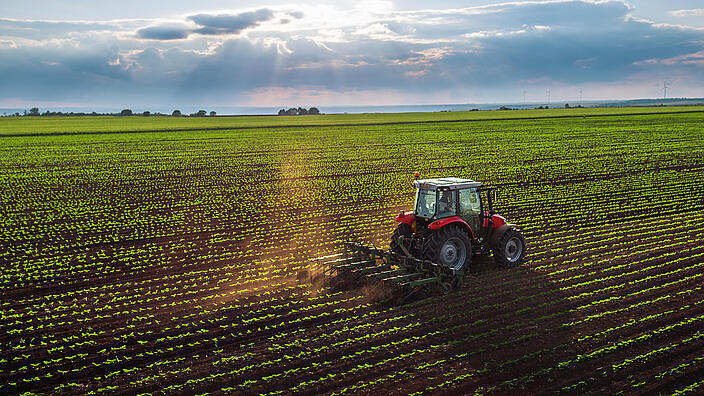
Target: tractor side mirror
[{"x": 491, "y": 194}]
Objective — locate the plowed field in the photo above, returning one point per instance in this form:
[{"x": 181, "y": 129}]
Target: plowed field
[{"x": 175, "y": 258}]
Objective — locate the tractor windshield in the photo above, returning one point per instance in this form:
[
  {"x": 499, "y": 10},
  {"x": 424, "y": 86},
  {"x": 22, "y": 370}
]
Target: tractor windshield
[{"x": 425, "y": 203}]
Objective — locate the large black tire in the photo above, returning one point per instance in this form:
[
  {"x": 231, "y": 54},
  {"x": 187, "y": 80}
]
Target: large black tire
[
  {"x": 510, "y": 248},
  {"x": 450, "y": 246},
  {"x": 404, "y": 230}
]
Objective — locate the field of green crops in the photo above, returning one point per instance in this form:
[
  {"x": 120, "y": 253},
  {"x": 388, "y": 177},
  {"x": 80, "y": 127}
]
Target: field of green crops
[{"x": 160, "y": 255}]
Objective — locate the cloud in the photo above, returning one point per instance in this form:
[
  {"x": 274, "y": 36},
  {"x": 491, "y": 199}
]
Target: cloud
[
  {"x": 486, "y": 53},
  {"x": 687, "y": 13},
  {"x": 206, "y": 24},
  {"x": 39, "y": 30},
  {"x": 166, "y": 31},
  {"x": 695, "y": 59},
  {"x": 229, "y": 23}
]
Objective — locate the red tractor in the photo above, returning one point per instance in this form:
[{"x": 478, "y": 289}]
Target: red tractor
[
  {"x": 432, "y": 247},
  {"x": 453, "y": 220}
]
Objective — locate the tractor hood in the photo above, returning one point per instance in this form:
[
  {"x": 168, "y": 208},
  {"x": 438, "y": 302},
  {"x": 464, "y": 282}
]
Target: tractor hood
[{"x": 406, "y": 217}]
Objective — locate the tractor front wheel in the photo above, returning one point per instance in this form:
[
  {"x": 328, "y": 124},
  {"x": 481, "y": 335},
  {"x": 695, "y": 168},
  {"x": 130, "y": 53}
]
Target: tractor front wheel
[
  {"x": 510, "y": 248},
  {"x": 403, "y": 230},
  {"x": 450, "y": 246}
]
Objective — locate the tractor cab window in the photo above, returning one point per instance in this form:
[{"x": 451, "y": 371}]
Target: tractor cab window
[
  {"x": 470, "y": 207},
  {"x": 425, "y": 203},
  {"x": 447, "y": 204}
]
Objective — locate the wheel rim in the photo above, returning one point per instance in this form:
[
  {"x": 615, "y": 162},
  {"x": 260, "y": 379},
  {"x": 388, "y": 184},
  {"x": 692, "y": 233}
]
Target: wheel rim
[
  {"x": 513, "y": 249},
  {"x": 453, "y": 253}
]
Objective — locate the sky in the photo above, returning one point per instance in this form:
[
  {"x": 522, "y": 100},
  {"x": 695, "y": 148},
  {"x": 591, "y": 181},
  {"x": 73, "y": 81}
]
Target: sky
[{"x": 371, "y": 52}]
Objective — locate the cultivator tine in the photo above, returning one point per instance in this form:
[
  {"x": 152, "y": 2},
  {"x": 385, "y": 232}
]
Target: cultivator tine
[
  {"x": 402, "y": 278},
  {"x": 328, "y": 263},
  {"x": 355, "y": 265},
  {"x": 386, "y": 274},
  {"x": 424, "y": 281},
  {"x": 340, "y": 261},
  {"x": 371, "y": 270},
  {"x": 321, "y": 258}
]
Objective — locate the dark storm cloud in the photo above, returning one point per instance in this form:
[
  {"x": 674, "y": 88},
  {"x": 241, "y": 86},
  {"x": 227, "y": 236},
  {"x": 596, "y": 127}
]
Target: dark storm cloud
[
  {"x": 567, "y": 41},
  {"x": 206, "y": 24},
  {"x": 237, "y": 64},
  {"x": 568, "y": 56},
  {"x": 60, "y": 72},
  {"x": 229, "y": 23}
]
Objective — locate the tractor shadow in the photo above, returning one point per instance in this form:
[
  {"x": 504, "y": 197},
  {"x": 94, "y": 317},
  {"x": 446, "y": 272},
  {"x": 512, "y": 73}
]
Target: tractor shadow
[{"x": 512, "y": 326}]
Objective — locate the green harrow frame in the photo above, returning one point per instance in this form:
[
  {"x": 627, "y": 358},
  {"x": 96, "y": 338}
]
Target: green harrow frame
[{"x": 405, "y": 276}]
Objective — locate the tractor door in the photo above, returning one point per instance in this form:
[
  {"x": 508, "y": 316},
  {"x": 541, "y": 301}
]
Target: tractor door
[{"x": 471, "y": 209}]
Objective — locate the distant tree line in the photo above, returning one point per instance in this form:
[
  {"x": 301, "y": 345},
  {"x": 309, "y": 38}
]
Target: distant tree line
[
  {"x": 34, "y": 112},
  {"x": 299, "y": 111}
]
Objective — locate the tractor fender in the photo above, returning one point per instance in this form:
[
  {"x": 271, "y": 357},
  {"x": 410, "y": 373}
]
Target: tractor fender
[
  {"x": 496, "y": 220},
  {"x": 406, "y": 217},
  {"x": 499, "y": 232},
  {"x": 437, "y": 224}
]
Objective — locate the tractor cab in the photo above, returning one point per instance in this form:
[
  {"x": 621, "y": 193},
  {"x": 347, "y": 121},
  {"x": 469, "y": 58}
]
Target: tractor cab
[{"x": 454, "y": 197}]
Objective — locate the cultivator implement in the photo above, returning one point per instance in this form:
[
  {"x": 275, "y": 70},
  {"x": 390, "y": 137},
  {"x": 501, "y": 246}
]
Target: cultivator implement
[{"x": 402, "y": 276}]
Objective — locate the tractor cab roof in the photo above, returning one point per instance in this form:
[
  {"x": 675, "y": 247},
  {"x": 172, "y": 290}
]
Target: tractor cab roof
[{"x": 446, "y": 183}]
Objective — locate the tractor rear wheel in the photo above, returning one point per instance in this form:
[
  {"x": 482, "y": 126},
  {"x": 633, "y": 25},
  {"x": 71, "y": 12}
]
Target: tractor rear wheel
[
  {"x": 404, "y": 230},
  {"x": 510, "y": 248},
  {"x": 450, "y": 246}
]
